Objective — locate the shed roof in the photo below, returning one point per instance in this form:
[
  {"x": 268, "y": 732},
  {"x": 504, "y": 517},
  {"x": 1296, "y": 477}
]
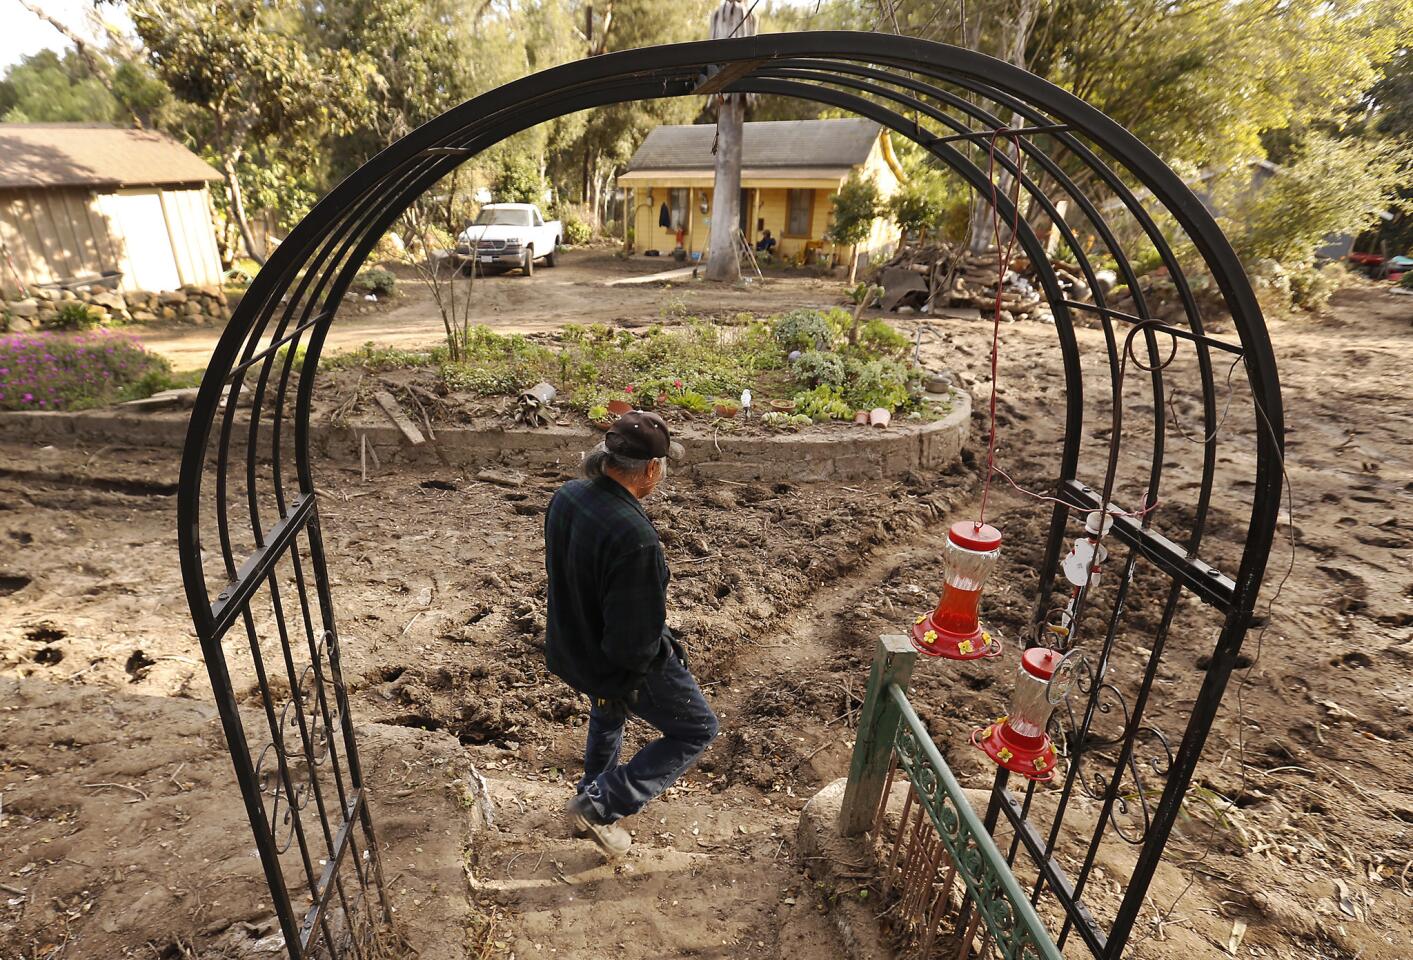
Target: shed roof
[
  {"x": 83, "y": 154},
  {"x": 778, "y": 144}
]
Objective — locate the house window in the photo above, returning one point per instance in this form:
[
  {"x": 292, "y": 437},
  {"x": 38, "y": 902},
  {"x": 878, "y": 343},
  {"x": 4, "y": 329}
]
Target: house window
[
  {"x": 799, "y": 213},
  {"x": 677, "y": 201}
]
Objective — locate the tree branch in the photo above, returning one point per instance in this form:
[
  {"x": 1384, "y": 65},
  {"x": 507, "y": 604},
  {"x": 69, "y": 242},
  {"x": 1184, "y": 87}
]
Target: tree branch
[{"x": 99, "y": 70}]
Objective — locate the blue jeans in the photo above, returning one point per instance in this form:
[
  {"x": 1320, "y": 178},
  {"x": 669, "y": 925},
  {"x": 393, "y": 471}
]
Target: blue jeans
[{"x": 669, "y": 700}]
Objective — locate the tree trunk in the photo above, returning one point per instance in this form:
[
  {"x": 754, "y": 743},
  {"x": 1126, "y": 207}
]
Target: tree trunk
[
  {"x": 853, "y": 273},
  {"x": 237, "y": 209},
  {"x": 723, "y": 263},
  {"x": 1012, "y": 44}
]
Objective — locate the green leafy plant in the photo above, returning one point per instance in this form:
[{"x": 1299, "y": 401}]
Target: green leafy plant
[
  {"x": 74, "y": 315},
  {"x": 577, "y": 230},
  {"x": 375, "y": 280},
  {"x": 598, "y": 412},
  {"x": 518, "y": 180},
  {"x": 815, "y": 367},
  {"x": 690, "y": 400},
  {"x": 802, "y": 330},
  {"x": 372, "y": 357},
  {"x": 877, "y": 383},
  {"x": 822, "y": 403},
  {"x": 856, "y": 205},
  {"x": 919, "y": 203},
  {"x": 877, "y": 336}
]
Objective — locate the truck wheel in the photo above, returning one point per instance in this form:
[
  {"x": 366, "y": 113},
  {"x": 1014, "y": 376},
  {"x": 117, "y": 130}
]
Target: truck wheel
[
  {"x": 549, "y": 257},
  {"x": 529, "y": 264}
]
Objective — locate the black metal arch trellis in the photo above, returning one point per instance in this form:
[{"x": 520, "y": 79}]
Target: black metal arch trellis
[{"x": 267, "y": 576}]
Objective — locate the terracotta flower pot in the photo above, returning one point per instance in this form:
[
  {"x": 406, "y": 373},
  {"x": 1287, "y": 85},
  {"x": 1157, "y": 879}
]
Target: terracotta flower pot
[
  {"x": 784, "y": 406},
  {"x": 601, "y": 424},
  {"x": 619, "y": 407},
  {"x": 879, "y": 417},
  {"x": 727, "y": 410},
  {"x": 861, "y": 416}
]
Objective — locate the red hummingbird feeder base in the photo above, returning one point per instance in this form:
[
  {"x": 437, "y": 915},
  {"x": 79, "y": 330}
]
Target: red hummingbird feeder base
[
  {"x": 1031, "y": 757},
  {"x": 936, "y": 641}
]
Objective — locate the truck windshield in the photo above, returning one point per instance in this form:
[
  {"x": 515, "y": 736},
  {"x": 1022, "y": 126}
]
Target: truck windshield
[{"x": 503, "y": 217}]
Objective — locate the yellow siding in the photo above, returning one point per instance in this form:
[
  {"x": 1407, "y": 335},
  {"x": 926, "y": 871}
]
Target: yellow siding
[{"x": 770, "y": 206}]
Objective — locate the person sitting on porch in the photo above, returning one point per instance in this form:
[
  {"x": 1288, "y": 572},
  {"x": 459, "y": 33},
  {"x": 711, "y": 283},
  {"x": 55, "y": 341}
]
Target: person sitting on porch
[{"x": 766, "y": 244}]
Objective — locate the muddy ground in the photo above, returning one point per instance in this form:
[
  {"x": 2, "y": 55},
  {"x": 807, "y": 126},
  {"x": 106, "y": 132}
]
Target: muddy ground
[
  {"x": 509, "y": 302},
  {"x": 1298, "y": 827}
]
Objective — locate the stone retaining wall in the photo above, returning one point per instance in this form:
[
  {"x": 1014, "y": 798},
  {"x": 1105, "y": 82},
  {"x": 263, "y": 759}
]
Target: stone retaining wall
[
  {"x": 192, "y": 304},
  {"x": 843, "y": 452}
]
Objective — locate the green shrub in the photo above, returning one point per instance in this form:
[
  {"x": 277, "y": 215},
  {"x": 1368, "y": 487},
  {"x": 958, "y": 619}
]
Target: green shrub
[
  {"x": 878, "y": 336},
  {"x": 370, "y": 356},
  {"x": 802, "y": 330},
  {"x": 814, "y": 367},
  {"x": 1407, "y": 281},
  {"x": 1327, "y": 186},
  {"x": 876, "y": 383},
  {"x": 1311, "y": 285},
  {"x": 74, "y": 315},
  {"x": 576, "y": 228},
  {"x": 776, "y": 420},
  {"x": 48, "y": 371},
  {"x": 822, "y": 403},
  {"x": 856, "y": 205},
  {"x": 689, "y": 400},
  {"x": 375, "y": 280},
  {"x": 518, "y": 180}
]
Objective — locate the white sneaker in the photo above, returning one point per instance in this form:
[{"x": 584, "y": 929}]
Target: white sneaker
[{"x": 612, "y": 839}]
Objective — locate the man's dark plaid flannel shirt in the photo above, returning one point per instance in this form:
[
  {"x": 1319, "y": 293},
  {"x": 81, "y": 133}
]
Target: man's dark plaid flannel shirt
[{"x": 606, "y": 626}]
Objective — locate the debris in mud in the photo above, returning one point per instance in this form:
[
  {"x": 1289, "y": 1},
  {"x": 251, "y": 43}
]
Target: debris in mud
[
  {"x": 44, "y": 633},
  {"x": 138, "y": 663}
]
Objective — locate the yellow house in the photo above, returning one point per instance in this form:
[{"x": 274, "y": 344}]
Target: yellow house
[{"x": 790, "y": 170}]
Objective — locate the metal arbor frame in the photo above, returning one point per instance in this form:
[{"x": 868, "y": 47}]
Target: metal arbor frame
[{"x": 247, "y": 484}]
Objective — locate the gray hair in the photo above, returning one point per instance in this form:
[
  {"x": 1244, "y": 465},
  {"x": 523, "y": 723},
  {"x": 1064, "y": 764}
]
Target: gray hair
[{"x": 600, "y": 459}]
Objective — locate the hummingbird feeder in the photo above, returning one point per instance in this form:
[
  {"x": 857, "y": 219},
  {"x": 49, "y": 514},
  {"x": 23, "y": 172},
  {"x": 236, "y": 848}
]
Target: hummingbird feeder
[
  {"x": 1018, "y": 742},
  {"x": 1081, "y": 567},
  {"x": 954, "y": 629}
]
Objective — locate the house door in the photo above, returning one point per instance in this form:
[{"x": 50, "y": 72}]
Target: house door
[
  {"x": 744, "y": 213},
  {"x": 140, "y": 239}
]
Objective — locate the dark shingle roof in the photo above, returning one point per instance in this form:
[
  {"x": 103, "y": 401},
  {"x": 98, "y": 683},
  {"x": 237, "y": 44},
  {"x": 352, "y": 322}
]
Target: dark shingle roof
[
  {"x": 773, "y": 143},
  {"x": 82, "y": 154}
]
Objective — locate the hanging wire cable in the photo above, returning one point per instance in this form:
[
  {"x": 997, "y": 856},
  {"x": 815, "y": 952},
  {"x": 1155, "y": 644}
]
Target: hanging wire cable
[{"x": 1003, "y": 266}]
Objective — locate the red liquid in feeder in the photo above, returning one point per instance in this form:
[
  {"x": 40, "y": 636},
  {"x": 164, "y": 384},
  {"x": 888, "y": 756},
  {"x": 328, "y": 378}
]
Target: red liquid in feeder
[{"x": 957, "y": 610}]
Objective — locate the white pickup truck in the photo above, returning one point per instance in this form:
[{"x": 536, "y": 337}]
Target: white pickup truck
[{"x": 509, "y": 235}]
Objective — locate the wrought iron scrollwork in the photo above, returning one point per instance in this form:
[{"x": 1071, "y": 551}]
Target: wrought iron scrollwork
[{"x": 254, "y": 511}]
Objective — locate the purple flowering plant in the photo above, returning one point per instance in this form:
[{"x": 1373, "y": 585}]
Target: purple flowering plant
[{"x": 52, "y": 371}]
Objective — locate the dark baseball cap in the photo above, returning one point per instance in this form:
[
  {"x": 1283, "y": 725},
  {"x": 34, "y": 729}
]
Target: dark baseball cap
[{"x": 643, "y": 436}]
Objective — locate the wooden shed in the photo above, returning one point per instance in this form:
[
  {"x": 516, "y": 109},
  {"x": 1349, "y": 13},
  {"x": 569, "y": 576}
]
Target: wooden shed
[
  {"x": 790, "y": 171},
  {"x": 82, "y": 200}
]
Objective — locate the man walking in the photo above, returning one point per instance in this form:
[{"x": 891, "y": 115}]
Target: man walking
[{"x": 606, "y": 630}]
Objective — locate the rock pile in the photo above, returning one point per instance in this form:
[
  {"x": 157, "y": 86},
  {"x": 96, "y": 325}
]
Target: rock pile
[{"x": 191, "y": 304}]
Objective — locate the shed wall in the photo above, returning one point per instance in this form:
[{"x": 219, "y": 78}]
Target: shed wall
[{"x": 60, "y": 233}]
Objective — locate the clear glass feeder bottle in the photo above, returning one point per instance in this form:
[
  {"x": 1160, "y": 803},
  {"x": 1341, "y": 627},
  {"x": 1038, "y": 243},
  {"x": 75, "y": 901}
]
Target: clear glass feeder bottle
[
  {"x": 953, "y": 630},
  {"x": 1018, "y": 742}
]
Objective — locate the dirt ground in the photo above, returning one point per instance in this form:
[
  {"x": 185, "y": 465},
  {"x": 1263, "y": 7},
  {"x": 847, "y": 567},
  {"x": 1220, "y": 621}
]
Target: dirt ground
[
  {"x": 574, "y": 291},
  {"x": 122, "y": 838}
]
